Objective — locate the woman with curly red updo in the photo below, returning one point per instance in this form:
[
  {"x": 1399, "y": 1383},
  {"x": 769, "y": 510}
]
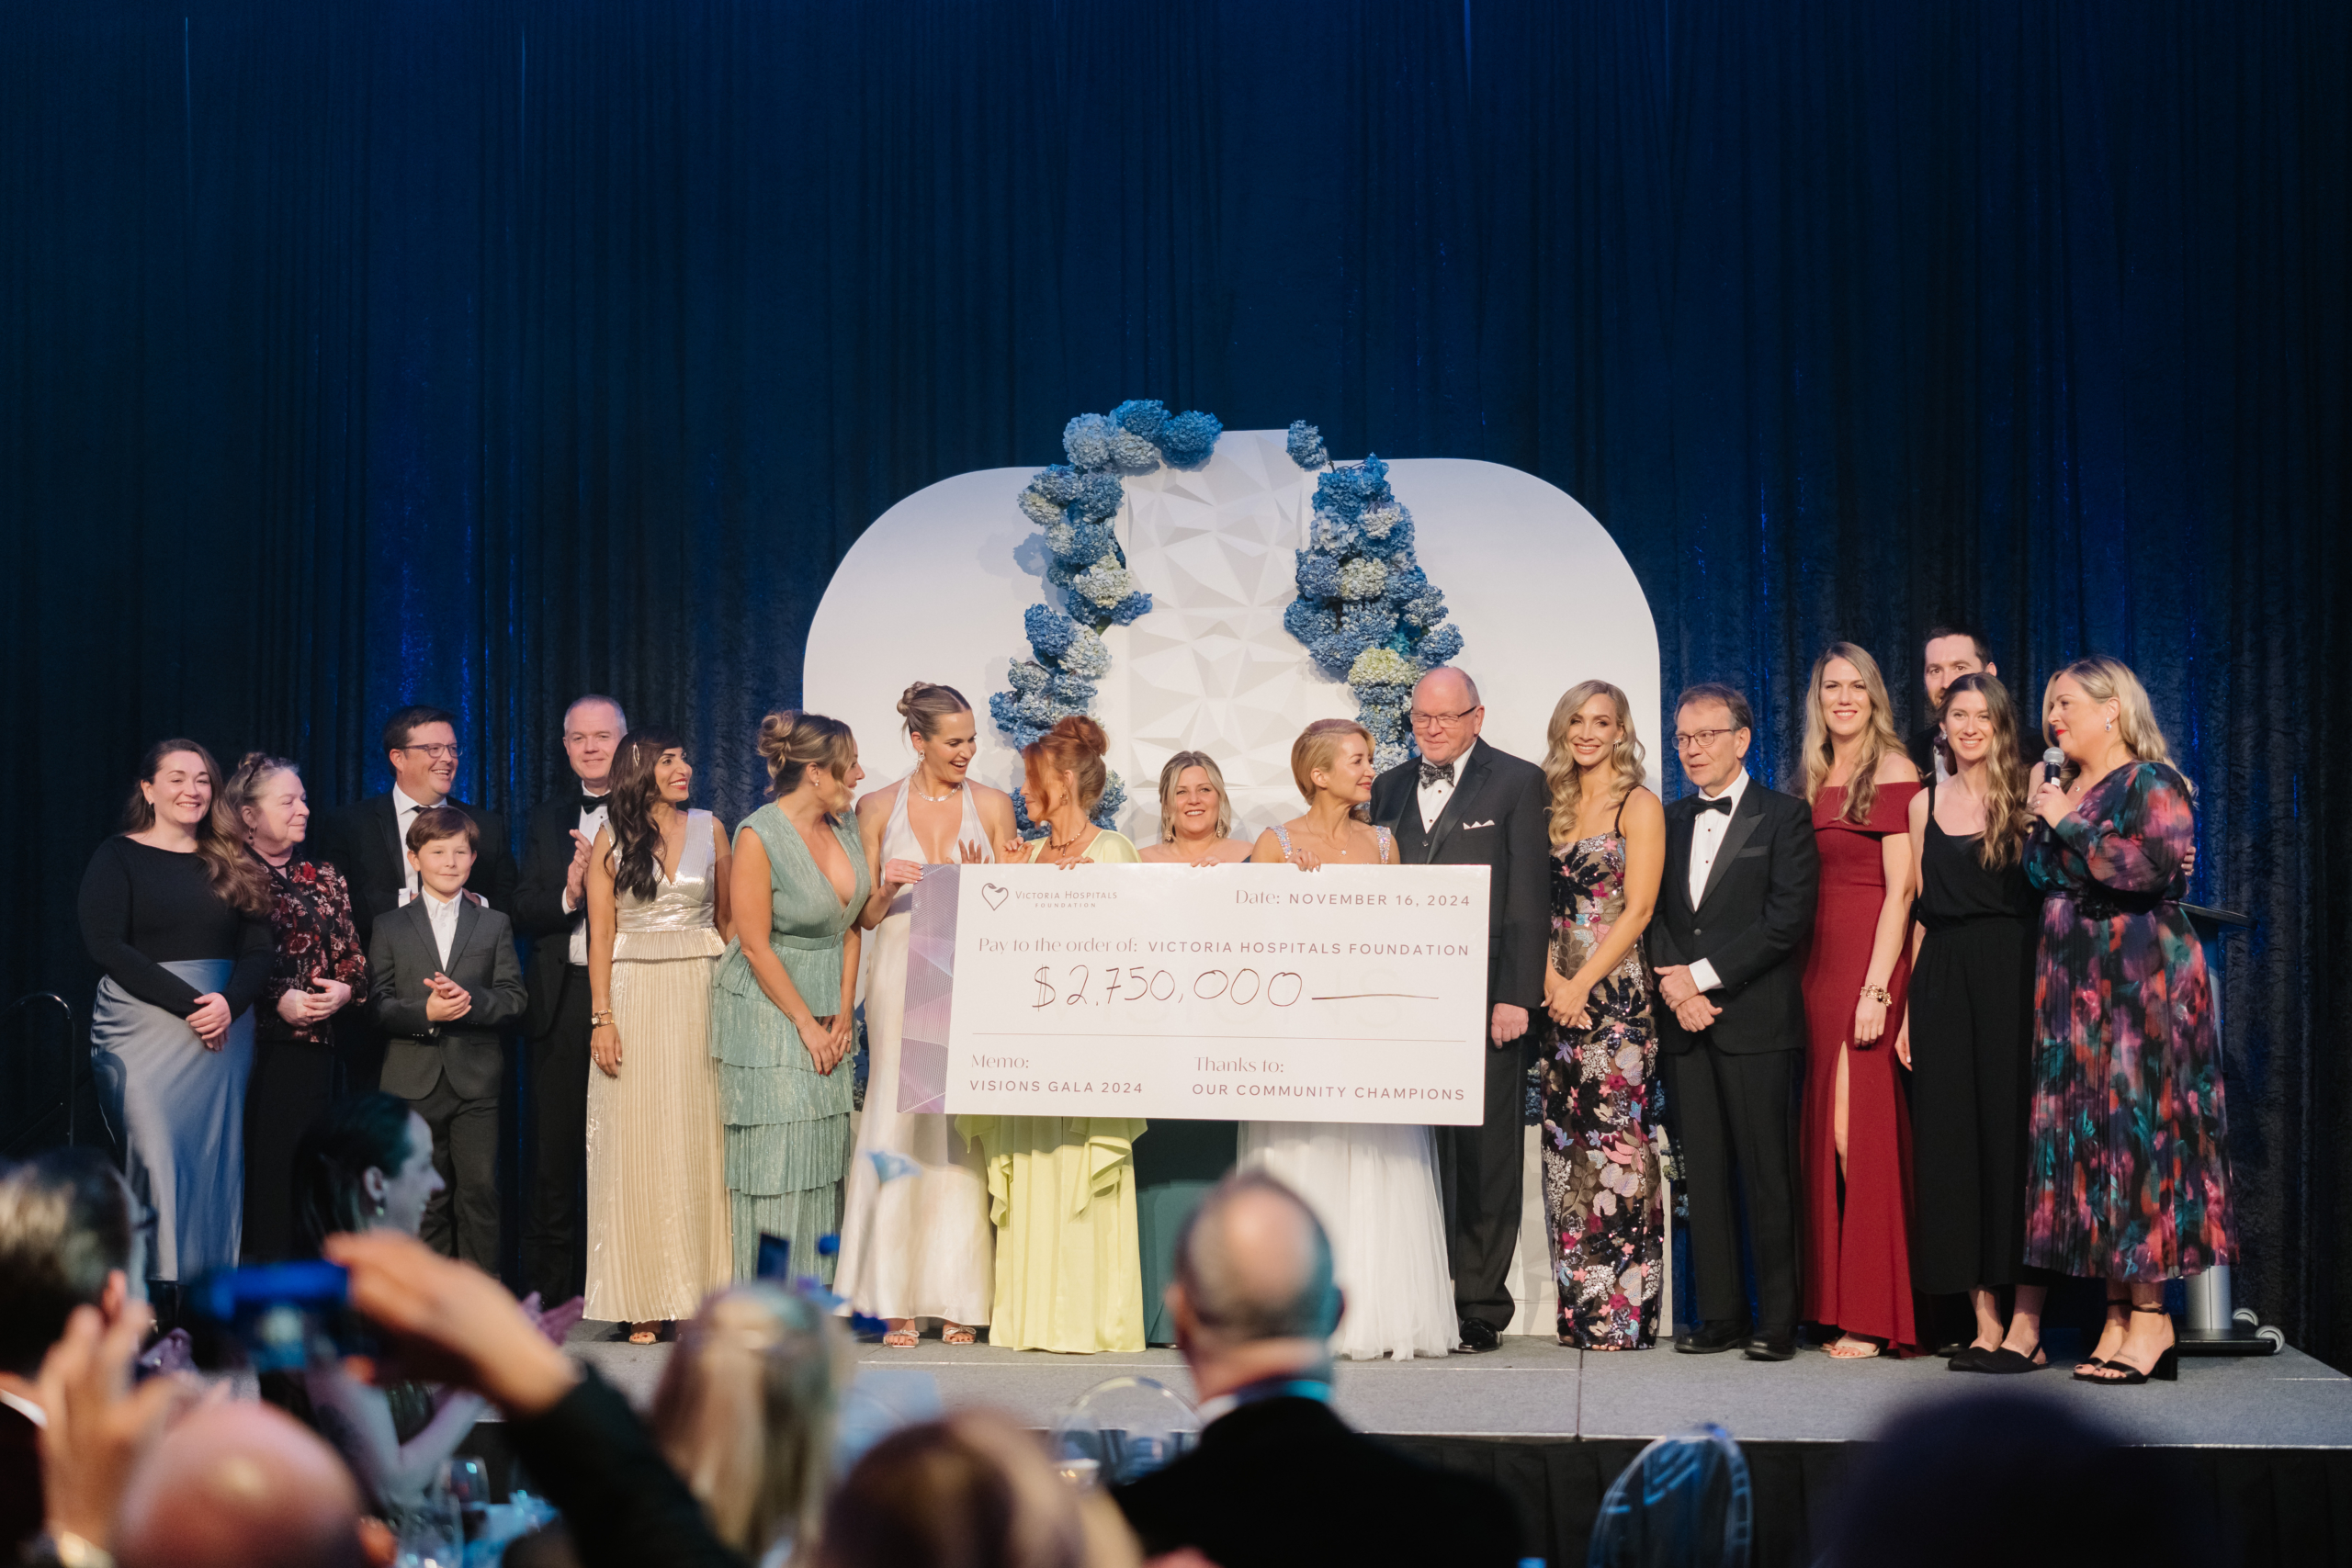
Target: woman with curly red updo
[{"x": 1062, "y": 1189}]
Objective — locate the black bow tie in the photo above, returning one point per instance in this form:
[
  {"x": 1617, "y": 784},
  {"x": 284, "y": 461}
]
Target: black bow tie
[
  {"x": 1432, "y": 772},
  {"x": 1721, "y": 803},
  {"x": 593, "y": 802}
]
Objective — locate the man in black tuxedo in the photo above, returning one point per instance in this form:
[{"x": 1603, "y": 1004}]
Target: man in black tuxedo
[
  {"x": 1735, "y": 905},
  {"x": 552, "y": 910},
  {"x": 367, "y": 842},
  {"x": 1277, "y": 1479},
  {"x": 1950, "y": 653},
  {"x": 1463, "y": 802}
]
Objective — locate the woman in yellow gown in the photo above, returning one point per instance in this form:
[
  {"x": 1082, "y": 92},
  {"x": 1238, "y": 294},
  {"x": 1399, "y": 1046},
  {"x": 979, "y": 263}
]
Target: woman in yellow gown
[{"x": 1062, "y": 1189}]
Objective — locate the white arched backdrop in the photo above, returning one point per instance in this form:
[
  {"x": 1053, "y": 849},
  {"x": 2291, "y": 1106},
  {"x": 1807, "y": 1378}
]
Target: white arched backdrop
[{"x": 935, "y": 591}]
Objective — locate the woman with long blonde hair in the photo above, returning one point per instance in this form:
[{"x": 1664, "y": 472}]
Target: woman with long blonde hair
[
  {"x": 1601, "y": 1186},
  {"x": 1969, "y": 1026},
  {"x": 1854, "y": 1140},
  {"x": 2127, "y": 1158},
  {"x": 1372, "y": 1185}
]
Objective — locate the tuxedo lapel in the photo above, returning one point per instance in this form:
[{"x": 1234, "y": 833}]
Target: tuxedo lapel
[
  {"x": 1679, "y": 822},
  {"x": 1457, "y": 803},
  {"x": 388, "y": 826},
  {"x": 1743, "y": 825},
  {"x": 468, "y": 918}
]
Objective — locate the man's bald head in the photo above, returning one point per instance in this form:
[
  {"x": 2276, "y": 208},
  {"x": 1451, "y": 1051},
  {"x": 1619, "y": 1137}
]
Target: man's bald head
[
  {"x": 1447, "y": 690},
  {"x": 1255, "y": 1265},
  {"x": 240, "y": 1486},
  {"x": 1446, "y": 714}
]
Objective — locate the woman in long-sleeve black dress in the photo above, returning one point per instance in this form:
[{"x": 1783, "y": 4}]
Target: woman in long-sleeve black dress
[{"x": 177, "y": 914}]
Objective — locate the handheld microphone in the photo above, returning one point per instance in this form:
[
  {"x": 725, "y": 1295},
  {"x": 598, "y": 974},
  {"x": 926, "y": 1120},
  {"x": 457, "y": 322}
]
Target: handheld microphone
[{"x": 2052, "y": 760}]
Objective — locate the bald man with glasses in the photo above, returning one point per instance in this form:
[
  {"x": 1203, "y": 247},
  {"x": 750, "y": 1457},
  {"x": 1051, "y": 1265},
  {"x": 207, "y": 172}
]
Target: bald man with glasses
[{"x": 1463, "y": 802}]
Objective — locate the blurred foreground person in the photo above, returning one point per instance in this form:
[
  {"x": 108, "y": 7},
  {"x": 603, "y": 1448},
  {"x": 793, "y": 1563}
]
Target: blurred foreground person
[
  {"x": 1255, "y": 1308},
  {"x": 971, "y": 1490},
  {"x": 242, "y": 1486}
]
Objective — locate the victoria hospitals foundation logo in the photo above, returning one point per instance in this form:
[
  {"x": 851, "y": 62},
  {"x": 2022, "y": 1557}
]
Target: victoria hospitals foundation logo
[{"x": 995, "y": 894}]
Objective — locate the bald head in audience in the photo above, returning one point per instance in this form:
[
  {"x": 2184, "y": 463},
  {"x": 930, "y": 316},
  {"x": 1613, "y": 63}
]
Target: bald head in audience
[
  {"x": 1253, "y": 1295},
  {"x": 241, "y": 1485}
]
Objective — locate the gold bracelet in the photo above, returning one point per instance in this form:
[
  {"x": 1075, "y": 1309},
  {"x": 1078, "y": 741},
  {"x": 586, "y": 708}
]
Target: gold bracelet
[
  {"x": 600, "y": 1019},
  {"x": 1876, "y": 994}
]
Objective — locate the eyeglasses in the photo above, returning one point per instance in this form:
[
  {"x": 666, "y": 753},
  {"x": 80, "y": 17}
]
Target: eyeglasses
[
  {"x": 1442, "y": 720},
  {"x": 1686, "y": 741},
  {"x": 435, "y": 752}
]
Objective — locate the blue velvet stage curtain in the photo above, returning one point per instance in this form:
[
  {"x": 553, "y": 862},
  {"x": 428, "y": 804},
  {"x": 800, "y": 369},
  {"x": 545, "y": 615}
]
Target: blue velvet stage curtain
[{"x": 483, "y": 352}]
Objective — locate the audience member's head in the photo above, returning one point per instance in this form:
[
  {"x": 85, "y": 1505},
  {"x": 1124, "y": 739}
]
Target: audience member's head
[
  {"x": 745, "y": 1410},
  {"x": 2027, "y": 1466},
  {"x": 240, "y": 1485},
  {"x": 366, "y": 1163},
  {"x": 593, "y": 728},
  {"x": 971, "y": 1491},
  {"x": 1253, "y": 1294},
  {"x": 422, "y": 743},
  {"x": 67, "y": 1239}
]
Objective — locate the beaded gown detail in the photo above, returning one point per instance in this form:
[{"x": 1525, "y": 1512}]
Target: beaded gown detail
[
  {"x": 658, "y": 1220},
  {"x": 1601, "y": 1198}
]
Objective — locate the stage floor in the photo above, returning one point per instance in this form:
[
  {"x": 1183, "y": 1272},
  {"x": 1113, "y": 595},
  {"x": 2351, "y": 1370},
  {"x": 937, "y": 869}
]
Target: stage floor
[{"x": 1535, "y": 1388}]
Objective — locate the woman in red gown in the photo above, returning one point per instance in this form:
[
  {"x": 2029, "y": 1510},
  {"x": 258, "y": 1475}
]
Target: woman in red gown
[{"x": 1854, "y": 1141}]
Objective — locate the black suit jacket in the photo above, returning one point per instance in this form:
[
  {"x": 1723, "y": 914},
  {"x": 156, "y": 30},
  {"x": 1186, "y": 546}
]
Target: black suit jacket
[
  {"x": 1496, "y": 818},
  {"x": 1752, "y": 919},
  {"x": 539, "y": 909},
  {"x": 1922, "y": 748},
  {"x": 363, "y": 841},
  {"x": 1283, "y": 1482},
  {"x": 401, "y": 956}
]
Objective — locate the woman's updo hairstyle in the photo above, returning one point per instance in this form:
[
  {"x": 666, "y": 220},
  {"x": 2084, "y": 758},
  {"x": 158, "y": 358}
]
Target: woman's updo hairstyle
[
  {"x": 250, "y": 777},
  {"x": 793, "y": 743},
  {"x": 1075, "y": 745},
  {"x": 1317, "y": 747},
  {"x": 925, "y": 707}
]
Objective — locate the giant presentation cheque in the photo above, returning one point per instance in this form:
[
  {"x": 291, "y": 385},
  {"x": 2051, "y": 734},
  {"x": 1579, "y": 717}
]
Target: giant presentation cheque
[{"x": 1253, "y": 992}]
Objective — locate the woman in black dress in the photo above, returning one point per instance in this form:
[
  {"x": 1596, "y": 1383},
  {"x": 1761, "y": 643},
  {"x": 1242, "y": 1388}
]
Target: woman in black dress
[
  {"x": 318, "y": 965},
  {"x": 177, "y": 914},
  {"x": 1970, "y": 1028}
]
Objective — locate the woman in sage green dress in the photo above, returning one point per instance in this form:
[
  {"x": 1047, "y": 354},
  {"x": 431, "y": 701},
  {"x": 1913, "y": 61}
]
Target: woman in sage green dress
[
  {"x": 1062, "y": 1189},
  {"x": 781, "y": 1020}
]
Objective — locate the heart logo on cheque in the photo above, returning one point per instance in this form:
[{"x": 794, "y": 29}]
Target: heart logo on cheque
[{"x": 995, "y": 894}]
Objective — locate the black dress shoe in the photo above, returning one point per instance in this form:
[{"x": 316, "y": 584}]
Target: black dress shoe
[
  {"x": 1711, "y": 1338},
  {"x": 1770, "y": 1346},
  {"x": 1477, "y": 1338}
]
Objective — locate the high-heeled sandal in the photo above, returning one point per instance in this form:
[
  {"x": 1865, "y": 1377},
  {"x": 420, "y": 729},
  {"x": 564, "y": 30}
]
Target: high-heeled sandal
[
  {"x": 2112, "y": 1303},
  {"x": 2124, "y": 1374}
]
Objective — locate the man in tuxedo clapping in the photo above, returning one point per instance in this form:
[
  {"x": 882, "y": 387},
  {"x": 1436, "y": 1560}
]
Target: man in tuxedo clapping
[
  {"x": 1463, "y": 802},
  {"x": 1736, "y": 905},
  {"x": 552, "y": 910}
]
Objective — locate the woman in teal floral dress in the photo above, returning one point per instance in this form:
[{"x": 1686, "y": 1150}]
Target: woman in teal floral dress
[
  {"x": 780, "y": 1003},
  {"x": 1601, "y": 1176},
  {"x": 2130, "y": 1166}
]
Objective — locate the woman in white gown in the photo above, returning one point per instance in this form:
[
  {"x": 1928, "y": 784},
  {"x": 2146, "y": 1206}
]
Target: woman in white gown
[
  {"x": 1374, "y": 1185},
  {"x": 916, "y": 1241}
]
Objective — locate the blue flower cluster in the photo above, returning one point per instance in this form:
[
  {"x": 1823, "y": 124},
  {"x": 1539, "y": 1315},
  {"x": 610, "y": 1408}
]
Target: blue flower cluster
[
  {"x": 1365, "y": 610},
  {"x": 1074, "y": 503}
]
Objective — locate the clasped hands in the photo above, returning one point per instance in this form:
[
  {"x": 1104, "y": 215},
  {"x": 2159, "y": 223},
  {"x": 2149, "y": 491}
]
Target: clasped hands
[
  {"x": 321, "y": 1002},
  {"x": 448, "y": 1002},
  {"x": 828, "y": 1040},
  {"x": 1690, "y": 1007}
]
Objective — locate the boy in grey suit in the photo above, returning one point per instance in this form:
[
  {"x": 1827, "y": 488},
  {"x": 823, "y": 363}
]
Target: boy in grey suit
[{"x": 443, "y": 981}]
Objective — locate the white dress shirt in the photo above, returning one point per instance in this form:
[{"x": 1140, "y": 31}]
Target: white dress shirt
[
  {"x": 404, "y": 812},
  {"x": 591, "y": 824},
  {"x": 1707, "y": 832},
  {"x": 443, "y": 914},
  {"x": 1434, "y": 795}
]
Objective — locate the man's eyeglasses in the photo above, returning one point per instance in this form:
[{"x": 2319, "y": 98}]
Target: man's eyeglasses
[
  {"x": 1696, "y": 740},
  {"x": 437, "y": 753},
  {"x": 1441, "y": 720}
]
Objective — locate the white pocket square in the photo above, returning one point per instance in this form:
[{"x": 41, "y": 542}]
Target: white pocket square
[{"x": 1466, "y": 827}]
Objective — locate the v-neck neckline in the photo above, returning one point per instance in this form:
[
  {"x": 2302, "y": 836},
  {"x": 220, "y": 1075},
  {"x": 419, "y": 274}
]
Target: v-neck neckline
[{"x": 814, "y": 865}]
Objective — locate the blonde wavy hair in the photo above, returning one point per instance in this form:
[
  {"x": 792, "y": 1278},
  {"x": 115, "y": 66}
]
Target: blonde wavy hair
[
  {"x": 1626, "y": 757},
  {"x": 1316, "y": 746},
  {"x": 1878, "y": 734},
  {"x": 2007, "y": 820},
  {"x": 2105, "y": 680},
  {"x": 1175, "y": 771}
]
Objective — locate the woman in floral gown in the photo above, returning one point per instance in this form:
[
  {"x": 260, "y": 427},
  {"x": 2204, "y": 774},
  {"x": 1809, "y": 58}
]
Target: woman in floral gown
[
  {"x": 2128, "y": 1153},
  {"x": 1601, "y": 1179}
]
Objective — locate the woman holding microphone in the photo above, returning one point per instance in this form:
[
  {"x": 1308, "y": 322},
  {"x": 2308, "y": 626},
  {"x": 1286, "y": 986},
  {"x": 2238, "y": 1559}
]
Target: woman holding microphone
[{"x": 2129, "y": 1165}]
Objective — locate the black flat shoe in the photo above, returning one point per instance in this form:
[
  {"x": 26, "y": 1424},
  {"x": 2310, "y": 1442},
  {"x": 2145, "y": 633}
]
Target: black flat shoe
[
  {"x": 1969, "y": 1359},
  {"x": 2011, "y": 1363},
  {"x": 1711, "y": 1338}
]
